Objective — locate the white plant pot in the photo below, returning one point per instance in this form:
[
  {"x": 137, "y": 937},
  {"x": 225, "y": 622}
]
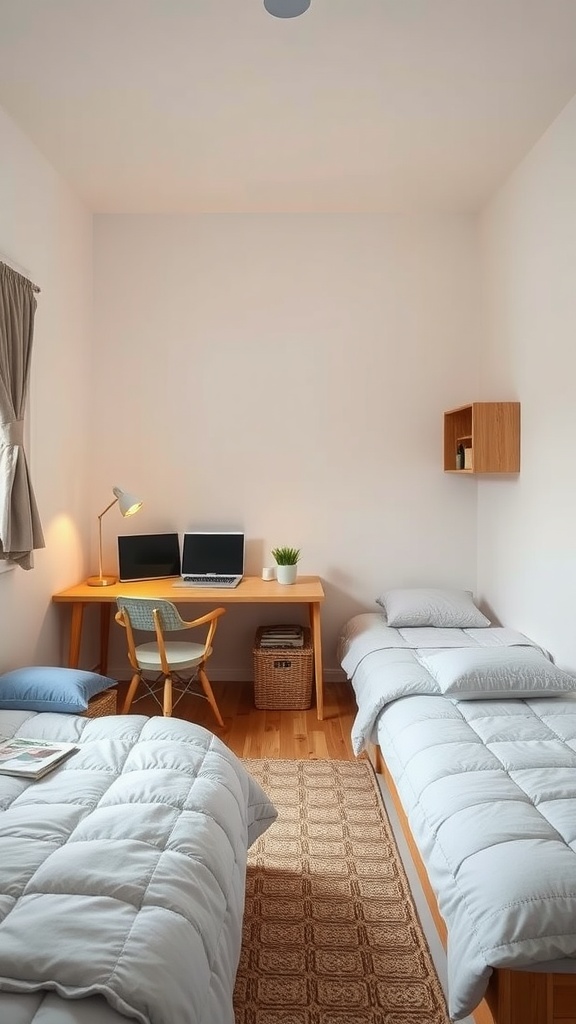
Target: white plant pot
[{"x": 286, "y": 573}]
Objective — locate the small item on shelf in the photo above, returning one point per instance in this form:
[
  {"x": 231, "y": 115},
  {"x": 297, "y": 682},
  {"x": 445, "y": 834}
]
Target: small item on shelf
[
  {"x": 460, "y": 457},
  {"x": 468, "y": 458}
]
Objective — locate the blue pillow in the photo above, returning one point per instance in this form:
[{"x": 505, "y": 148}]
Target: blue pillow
[{"x": 50, "y": 688}]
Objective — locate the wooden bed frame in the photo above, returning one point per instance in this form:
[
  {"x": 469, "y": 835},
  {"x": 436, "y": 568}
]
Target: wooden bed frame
[{"x": 512, "y": 997}]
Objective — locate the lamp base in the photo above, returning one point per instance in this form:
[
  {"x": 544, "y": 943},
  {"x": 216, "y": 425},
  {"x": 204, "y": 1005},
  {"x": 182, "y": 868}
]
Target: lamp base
[{"x": 101, "y": 581}]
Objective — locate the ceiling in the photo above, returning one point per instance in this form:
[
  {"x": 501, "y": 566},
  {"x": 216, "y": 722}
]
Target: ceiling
[{"x": 215, "y": 105}]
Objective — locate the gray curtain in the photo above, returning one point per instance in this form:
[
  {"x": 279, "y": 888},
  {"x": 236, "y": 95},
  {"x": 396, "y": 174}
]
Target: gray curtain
[{"x": 20, "y": 527}]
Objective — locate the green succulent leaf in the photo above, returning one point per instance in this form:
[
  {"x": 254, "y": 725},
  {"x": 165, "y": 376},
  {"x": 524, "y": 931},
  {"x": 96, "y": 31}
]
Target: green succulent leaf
[{"x": 286, "y": 556}]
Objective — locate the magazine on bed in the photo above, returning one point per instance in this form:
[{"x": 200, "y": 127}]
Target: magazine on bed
[{"x": 32, "y": 758}]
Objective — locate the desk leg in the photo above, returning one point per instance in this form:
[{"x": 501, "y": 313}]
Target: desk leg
[
  {"x": 314, "y": 609},
  {"x": 75, "y": 634},
  {"x": 105, "y": 610}
]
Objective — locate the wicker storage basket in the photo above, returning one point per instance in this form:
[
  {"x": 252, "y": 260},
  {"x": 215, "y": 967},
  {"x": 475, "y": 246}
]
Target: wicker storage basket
[
  {"x": 283, "y": 675},
  {"x": 102, "y": 704}
]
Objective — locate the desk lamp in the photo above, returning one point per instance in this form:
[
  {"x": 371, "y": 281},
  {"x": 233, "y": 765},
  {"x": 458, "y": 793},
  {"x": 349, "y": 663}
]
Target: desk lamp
[{"x": 128, "y": 505}]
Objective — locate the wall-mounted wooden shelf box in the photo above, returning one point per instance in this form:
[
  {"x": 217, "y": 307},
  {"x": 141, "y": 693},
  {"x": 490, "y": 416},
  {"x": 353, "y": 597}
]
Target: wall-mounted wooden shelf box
[{"x": 489, "y": 432}]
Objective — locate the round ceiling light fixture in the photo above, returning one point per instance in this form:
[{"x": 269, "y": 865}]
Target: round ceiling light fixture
[{"x": 286, "y": 8}]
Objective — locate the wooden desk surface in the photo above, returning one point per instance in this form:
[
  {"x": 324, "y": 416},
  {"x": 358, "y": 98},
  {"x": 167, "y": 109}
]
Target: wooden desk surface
[
  {"x": 307, "y": 590},
  {"x": 251, "y": 590}
]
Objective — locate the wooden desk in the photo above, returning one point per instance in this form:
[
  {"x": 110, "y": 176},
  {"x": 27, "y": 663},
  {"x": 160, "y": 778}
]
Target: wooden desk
[{"x": 252, "y": 590}]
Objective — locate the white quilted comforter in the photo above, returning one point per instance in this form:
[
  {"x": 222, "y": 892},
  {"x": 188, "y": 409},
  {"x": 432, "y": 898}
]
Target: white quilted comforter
[
  {"x": 383, "y": 663},
  {"x": 122, "y": 874},
  {"x": 489, "y": 788}
]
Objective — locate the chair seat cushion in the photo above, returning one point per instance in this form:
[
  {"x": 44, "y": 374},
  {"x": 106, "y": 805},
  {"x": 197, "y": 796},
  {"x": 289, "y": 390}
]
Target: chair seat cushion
[{"x": 180, "y": 655}]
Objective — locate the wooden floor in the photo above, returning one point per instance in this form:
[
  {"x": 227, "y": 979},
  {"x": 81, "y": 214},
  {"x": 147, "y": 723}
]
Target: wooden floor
[{"x": 284, "y": 734}]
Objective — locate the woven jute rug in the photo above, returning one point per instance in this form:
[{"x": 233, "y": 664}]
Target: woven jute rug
[{"x": 331, "y": 933}]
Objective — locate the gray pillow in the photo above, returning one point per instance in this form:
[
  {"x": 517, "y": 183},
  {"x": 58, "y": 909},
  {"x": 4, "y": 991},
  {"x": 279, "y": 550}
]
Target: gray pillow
[
  {"x": 429, "y": 606},
  {"x": 496, "y": 673}
]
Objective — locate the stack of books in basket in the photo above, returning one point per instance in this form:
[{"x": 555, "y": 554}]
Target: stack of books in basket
[
  {"x": 283, "y": 667},
  {"x": 282, "y": 636}
]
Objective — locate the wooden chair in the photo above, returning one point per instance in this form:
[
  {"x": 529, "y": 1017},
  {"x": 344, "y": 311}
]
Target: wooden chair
[{"x": 167, "y": 660}]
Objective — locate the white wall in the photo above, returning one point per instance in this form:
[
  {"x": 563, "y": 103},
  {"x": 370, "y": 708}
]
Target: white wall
[
  {"x": 378, "y": 324},
  {"x": 526, "y": 531},
  {"x": 44, "y": 229},
  {"x": 287, "y": 374}
]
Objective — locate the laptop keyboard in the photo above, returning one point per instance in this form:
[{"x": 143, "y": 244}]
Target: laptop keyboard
[
  {"x": 210, "y": 581},
  {"x": 204, "y": 582}
]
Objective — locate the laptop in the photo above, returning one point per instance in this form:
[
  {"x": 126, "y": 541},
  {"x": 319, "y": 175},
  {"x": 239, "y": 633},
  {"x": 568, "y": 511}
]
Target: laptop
[
  {"x": 211, "y": 559},
  {"x": 148, "y": 556}
]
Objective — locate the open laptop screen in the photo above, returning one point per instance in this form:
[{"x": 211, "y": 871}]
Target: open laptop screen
[
  {"x": 149, "y": 556},
  {"x": 215, "y": 554}
]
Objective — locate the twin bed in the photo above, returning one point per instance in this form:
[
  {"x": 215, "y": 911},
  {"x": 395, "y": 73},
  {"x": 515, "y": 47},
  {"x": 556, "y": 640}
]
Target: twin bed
[
  {"x": 123, "y": 873},
  {"x": 474, "y": 729}
]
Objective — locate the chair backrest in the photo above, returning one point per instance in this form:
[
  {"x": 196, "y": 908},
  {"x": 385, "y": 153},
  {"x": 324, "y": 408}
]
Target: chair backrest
[
  {"x": 148, "y": 613},
  {"x": 140, "y": 612},
  {"x": 159, "y": 616}
]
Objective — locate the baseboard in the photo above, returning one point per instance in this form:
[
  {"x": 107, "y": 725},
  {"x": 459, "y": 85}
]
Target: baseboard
[{"x": 334, "y": 675}]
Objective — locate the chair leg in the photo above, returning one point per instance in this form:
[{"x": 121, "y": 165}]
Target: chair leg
[
  {"x": 167, "y": 708},
  {"x": 210, "y": 696},
  {"x": 131, "y": 693}
]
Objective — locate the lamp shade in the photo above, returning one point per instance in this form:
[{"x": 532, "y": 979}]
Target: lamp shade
[{"x": 127, "y": 503}]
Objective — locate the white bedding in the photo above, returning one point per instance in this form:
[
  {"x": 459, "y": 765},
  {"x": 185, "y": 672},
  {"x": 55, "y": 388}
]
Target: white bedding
[
  {"x": 489, "y": 788},
  {"x": 383, "y": 663},
  {"x": 123, "y": 873}
]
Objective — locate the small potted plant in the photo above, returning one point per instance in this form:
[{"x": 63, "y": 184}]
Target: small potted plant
[{"x": 286, "y": 563}]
